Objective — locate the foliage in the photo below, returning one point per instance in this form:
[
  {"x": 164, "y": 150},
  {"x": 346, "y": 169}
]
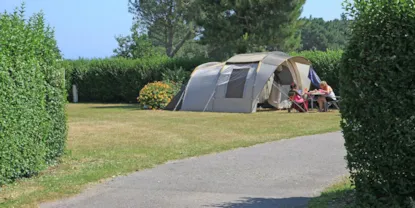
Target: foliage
[
  {"x": 317, "y": 34},
  {"x": 247, "y": 26},
  {"x": 169, "y": 23},
  {"x": 32, "y": 96},
  {"x": 193, "y": 49},
  {"x": 326, "y": 64},
  {"x": 157, "y": 95},
  {"x": 378, "y": 93},
  {"x": 178, "y": 75},
  {"x": 220, "y": 29},
  {"x": 119, "y": 79},
  {"x": 136, "y": 45}
]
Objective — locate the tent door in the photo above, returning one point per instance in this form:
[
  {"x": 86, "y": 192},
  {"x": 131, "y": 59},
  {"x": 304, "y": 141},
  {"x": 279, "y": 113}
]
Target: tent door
[{"x": 281, "y": 86}]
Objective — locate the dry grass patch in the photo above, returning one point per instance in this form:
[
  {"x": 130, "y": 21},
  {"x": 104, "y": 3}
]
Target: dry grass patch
[{"x": 110, "y": 140}]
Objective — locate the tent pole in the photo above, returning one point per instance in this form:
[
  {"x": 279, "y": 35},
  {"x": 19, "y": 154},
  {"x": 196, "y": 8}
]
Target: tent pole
[
  {"x": 216, "y": 85},
  {"x": 253, "y": 97},
  {"x": 178, "y": 102},
  {"x": 211, "y": 96}
]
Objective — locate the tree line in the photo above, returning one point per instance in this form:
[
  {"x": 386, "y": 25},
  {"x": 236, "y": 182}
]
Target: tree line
[{"x": 221, "y": 28}]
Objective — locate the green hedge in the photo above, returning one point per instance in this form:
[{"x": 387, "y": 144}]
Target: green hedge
[
  {"x": 326, "y": 64},
  {"x": 120, "y": 80},
  {"x": 32, "y": 97},
  {"x": 378, "y": 90}
]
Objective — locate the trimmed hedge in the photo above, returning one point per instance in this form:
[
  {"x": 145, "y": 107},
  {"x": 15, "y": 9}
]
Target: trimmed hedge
[
  {"x": 120, "y": 80},
  {"x": 378, "y": 90},
  {"x": 326, "y": 64},
  {"x": 32, "y": 97}
]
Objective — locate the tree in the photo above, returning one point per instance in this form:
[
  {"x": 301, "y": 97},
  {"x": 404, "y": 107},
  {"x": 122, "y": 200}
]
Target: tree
[
  {"x": 317, "y": 34},
  {"x": 338, "y": 33},
  {"x": 192, "y": 49},
  {"x": 314, "y": 35},
  {"x": 169, "y": 22},
  {"x": 136, "y": 45},
  {"x": 231, "y": 26}
]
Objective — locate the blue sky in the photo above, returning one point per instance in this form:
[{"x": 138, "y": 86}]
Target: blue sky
[{"x": 87, "y": 28}]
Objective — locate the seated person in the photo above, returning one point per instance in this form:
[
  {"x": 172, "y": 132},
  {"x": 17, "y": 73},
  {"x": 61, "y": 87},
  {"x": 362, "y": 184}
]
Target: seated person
[
  {"x": 299, "y": 103},
  {"x": 328, "y": 95}
]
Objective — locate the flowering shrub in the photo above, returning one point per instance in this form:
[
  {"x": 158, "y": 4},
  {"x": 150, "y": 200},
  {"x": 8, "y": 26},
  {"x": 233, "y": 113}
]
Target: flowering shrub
[{"x": 157, "y": 95}]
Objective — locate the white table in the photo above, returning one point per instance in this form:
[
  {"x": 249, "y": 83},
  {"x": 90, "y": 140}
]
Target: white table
[{"x": 312, "y": 98}]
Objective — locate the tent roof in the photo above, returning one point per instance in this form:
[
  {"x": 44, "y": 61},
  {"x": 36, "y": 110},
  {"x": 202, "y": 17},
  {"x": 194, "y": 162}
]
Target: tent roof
[{"x": 273, "y": 58}]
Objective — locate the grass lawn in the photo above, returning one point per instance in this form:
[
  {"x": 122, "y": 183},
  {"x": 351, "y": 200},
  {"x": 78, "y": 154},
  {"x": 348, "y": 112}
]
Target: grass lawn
[
  {"x": 339, "y": 195},
  {"x": 110, "y": 140}
]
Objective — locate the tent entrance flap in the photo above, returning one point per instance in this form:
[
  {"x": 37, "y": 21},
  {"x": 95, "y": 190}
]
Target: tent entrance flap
[
  {"x": 280, "y": 86},
  {"x": 236, "y": 84},
  {"x": 284, "y": 76}
]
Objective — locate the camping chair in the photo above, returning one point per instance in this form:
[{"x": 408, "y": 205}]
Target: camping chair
[
  {"x": 298, "y": 103},
  {"x": 331, "y": 102},
  {"x": 313, "y": 101}
]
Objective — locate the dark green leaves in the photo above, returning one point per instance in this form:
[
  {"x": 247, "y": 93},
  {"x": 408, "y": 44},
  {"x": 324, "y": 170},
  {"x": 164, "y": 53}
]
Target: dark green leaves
[
  {"x": 137, "y": 46},
  {"x": 317, "y": 34},
  {"x": 169, "y": 23},
  {"x": 247, "y": 26},
  {"x": 376, "y": 82},
  {"x": 119, "y": 80}
]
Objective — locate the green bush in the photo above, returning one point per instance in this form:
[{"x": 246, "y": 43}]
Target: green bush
[
  {"x": 179, "y": 75},
  {"x": 377, "y": 85},
  {"x": 157, "y": 95},
  {"x": 119, "y": 80},
  {"x": 326, "y": 64},
  {"x": 32, "y": 97}
]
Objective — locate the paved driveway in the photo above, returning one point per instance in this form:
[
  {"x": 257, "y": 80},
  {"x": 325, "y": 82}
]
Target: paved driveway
[{"x": 278, "y": 174}]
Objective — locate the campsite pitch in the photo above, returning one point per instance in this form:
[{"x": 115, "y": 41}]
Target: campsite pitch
[{"x": 110, "y": 140}]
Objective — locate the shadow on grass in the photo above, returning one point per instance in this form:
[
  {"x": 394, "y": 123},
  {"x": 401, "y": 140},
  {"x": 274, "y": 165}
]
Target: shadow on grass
[
  {"x": 295, "y": 202},
  {"x": 126, "y": 107},
  {"x": 334, "y": 199}
]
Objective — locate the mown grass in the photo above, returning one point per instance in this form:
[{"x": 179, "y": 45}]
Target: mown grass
[
  {"x": 110, "y": 140},
  {"x": 339, "y": 195}
]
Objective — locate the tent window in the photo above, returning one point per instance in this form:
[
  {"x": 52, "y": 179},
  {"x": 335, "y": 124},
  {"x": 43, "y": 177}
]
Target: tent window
[{"x": 236, "y": 84}]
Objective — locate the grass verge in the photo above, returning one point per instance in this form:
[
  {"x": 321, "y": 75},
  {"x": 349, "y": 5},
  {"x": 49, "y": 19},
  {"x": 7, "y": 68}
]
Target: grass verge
[
  {"x": 110, "y": 140},
  {"x": 339, "y": 195}
]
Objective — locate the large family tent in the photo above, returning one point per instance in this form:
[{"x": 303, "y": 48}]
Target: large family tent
[{"x": 244, "y": 81}]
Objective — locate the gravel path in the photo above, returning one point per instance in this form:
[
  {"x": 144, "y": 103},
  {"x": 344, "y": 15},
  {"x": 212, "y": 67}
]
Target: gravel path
[{"x": 278, "y": 174}]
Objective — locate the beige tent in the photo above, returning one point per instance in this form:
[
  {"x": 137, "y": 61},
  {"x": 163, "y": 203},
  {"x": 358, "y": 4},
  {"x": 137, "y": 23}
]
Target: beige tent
[{"x": 244, "y": 81}]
